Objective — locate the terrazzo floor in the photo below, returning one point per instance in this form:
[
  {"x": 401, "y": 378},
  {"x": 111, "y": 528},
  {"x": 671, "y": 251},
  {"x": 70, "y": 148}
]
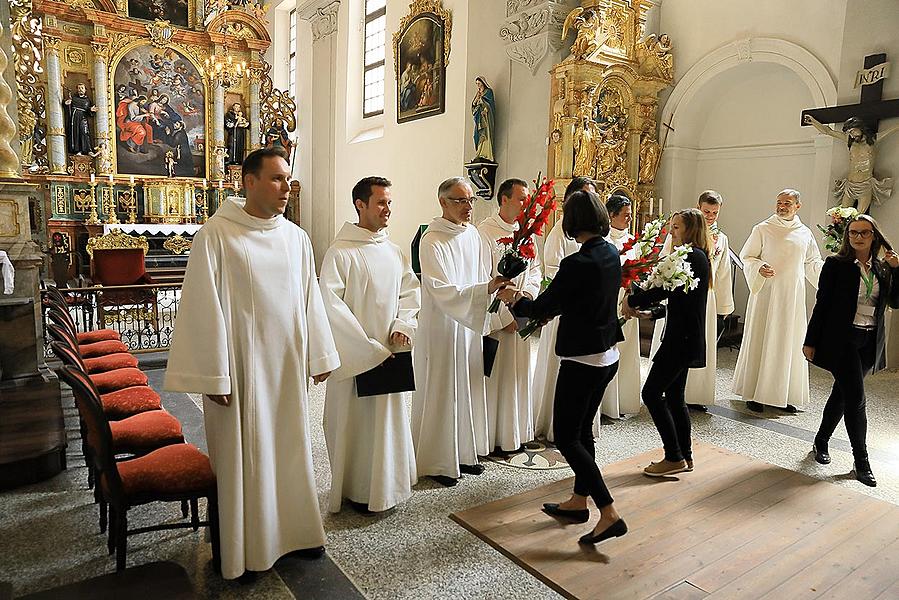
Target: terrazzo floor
[{"x": 48, "y": 531}]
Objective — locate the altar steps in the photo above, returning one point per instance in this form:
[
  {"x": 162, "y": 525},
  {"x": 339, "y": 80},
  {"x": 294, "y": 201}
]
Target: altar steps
[{"x": 166, "y": 274}]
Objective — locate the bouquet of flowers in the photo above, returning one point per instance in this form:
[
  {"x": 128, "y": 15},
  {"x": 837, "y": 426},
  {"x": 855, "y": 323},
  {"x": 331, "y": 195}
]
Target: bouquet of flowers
[
  {"x": 648, "y": 249},
  {"x": 715, "y": 230},
  {"x": 672, "y": 272},
  {"x": 833, "y": 233},
  {"x": 520, "y": 245}
]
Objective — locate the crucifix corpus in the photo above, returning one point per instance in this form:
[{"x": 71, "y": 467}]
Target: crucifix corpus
[{"x": 859, "y": 133}]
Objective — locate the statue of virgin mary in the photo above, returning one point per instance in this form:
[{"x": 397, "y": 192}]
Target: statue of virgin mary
[{"x": 483, "y": 109}]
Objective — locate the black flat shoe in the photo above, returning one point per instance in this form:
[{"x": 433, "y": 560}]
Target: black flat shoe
[
  {"x": 444, "y": 480},
  {"x": 864, "y": 474},
  {"x": 308, "y": 553},
  {"x": 821, "y": 454},
  {"x": 789, "y": 408},
  {"x": 755, "y": 406},
  {"x": 616, "y": 529},
  {"x": 472, "y": 469},
  {"x": 361, "y": 508},
  {"x": 247, "y": 578},
  {"x": 698, "y": 407},
  {"x": 578, "y": 516}
]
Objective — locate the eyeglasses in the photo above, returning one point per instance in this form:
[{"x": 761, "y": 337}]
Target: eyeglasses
[
  {"x": 458, "y": 201},
  {"x": 861, "y": 234}
]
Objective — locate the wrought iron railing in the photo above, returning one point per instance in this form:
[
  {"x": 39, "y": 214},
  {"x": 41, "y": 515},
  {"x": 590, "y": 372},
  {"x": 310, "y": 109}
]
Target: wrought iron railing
[{"x": 144, "y": 315}]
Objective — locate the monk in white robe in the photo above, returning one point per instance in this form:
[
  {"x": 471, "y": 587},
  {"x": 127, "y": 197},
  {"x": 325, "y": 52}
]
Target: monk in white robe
[
  {"x": 781, "y": 251},
  {"x": 510, "y": 420},
  {"x": 622, "y": 396},
  {"x": 700, "y": 392},
  {"x": 251, "y": 330},
  {"x": 372, "y": 298},
  {"x": 449, "y": 406}
]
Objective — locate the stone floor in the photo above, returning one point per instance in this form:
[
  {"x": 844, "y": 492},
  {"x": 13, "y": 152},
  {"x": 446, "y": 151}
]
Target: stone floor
[{"x": 49, "y": 536}]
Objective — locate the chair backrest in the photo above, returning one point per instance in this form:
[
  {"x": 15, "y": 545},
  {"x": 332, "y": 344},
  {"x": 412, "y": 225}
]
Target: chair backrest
[
  {"x": 117, "y": 258},
  {"x": 97, "y": 433},
  {"x": 63, "y": 351},
  {"x": 63, "y": 319},
  {"x": 55, "y": 296}
]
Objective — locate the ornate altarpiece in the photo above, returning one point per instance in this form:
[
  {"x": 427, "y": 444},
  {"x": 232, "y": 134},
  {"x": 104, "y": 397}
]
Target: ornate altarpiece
[{"x": 604, "y": 102}]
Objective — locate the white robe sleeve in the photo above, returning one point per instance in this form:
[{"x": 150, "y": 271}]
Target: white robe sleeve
[
  {"x": 723, "y": 279},
  {"x": 409, "y": 302},
  {"x": 751, "y": 255},
  {"x": 322, "y": 357},
  {"x": 357, "y": 351},
  {"x": 813, "y": 261},
  {"x": 9, "y": 273},
  {"x": 553, "y": 252},
  {"x": 465, "y": 304},
  {"x": 199, "y": 355},
  {"x": 531, "y": 286}
]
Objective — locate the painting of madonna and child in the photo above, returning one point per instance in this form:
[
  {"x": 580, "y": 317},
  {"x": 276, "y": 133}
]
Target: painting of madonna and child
[
  {"x": 420, "y": 63},
  {"x": 160, "y": 114}
]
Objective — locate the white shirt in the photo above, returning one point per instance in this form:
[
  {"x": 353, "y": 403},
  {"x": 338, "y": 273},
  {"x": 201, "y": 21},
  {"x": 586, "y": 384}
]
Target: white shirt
[
  {"x": 867, "y": 304},
  {"x": 601, "y": 359}
]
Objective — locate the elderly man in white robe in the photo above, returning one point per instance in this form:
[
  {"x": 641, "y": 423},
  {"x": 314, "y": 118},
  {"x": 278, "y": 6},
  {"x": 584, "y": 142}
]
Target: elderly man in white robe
[
  {"x": 555, "y": 248},
  {"x": 510, "y": 421},
  {"x": 779, "y": 253},
  {"x": 622, "y": 396},
  {"x": 251, "y": 330},
  {"x": 449, "y": 406},
  {"x": 372, "y": 298},
  {"x": 700, "y": 391}
]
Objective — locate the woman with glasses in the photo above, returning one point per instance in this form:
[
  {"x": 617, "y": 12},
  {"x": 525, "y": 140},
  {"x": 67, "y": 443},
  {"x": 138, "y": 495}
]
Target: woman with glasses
[{"x": 846, "y": 332}]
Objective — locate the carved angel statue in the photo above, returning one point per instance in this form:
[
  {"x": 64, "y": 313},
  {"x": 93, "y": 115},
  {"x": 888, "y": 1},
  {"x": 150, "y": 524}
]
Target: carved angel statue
[
  {"x": 103, "y": 157},
  {"x": 587, "y": 23},
  {"x": 610, "y": 152},
  {"x": 859, "y": 185},
  {"x": 649, "y": 157},
  {"x": 654, "y": 56}
]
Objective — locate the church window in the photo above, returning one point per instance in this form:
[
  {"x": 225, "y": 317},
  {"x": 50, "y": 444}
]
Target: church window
[{"x": 373, "y": 50}]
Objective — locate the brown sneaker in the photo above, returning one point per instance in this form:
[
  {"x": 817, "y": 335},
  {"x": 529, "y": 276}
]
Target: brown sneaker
[{"x": 665, "y": 468}]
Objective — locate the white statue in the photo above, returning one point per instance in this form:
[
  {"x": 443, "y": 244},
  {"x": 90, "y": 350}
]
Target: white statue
[{"x": 8, "y": 272}]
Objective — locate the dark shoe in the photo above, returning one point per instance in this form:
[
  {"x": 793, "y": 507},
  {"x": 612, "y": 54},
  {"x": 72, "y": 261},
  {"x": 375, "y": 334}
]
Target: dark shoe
[
  {"x": 755, "y": 406},
  {"x": 308, "y": 553},
  {"x": 864, "y": 474},
  {"x": 698, "y": 407},
  {"x": 248, "y": 577},
  {"x": 444, "y": 480},
  {"x": 789, "y": 408},
  {"x": 578, "y": 516},
  {"x": 821, "y": 454},
  {"x": 616, "y": 529},
  {"x": 476, "y": 469},
  {"x": 361, "y": 508}
]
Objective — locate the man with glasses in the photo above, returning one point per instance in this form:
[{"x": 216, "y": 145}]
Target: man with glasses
[
  {"x": 778, "y": 255},
  {"x": 449, "y": 407}
]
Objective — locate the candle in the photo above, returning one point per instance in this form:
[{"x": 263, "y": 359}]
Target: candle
[
  {"x": 131, "y": 180},
  {"x": 221, "y": 184},
  {"x": 204, "y": 183},
  {"x": 93, "y": 179},
  {"x": 660, "y": 206},
  {"x": 235, "y": 186},
  {"x": 651, "y": 204},
  {"x": 110, "y": 180}
]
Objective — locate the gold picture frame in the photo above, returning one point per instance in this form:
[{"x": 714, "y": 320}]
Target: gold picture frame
[{"x": 421, "y": 49}]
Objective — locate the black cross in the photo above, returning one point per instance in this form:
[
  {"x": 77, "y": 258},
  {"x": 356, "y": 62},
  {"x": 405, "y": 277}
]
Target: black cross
[{"x": 871, "y": 109}]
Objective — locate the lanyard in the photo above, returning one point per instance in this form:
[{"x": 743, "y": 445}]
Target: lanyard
[{"x": 869, "y": 282}]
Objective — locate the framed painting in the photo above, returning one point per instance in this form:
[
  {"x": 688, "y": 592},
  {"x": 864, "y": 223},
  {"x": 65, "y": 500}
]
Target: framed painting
[
  {"x": 177, "y": 12},
  {"x": 159, "y": 109},
  {"x": 421, "y": 48}
]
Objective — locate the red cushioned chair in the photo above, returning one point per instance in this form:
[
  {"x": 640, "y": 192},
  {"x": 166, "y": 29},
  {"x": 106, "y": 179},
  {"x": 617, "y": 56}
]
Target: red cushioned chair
[
  {"x": 88, "y": 349},
  {"x": 98, "y": 364},
  {"x": 53, "y": 297},
  {"x": 106, "y": 381},
  {"x": 175, "y": 473},
  {"x": 118, "y": 259}
]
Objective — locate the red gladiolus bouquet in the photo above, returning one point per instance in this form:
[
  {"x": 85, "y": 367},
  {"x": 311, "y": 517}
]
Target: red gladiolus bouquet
[
  {"x": 520, "y": 245},
  {"x": 648, "y": 250}
]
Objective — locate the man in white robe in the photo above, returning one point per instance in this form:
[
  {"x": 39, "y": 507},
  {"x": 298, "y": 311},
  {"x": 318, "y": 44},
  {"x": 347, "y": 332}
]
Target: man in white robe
[
  {"x": 251, "y": 330},
  {"x": 781, "y": 251},
  {"x": 449, "y": 406},
  {"x": 509, "y": 404},
  {"x": 372, "y": 298},
  {"x": 700, "y": 392},
  {"x": 546, "y": 373},
  {"x": 622, "y": 396}
]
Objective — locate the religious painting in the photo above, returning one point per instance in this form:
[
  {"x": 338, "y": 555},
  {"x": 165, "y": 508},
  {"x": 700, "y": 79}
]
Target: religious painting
[
  {"x": 160, "y": 114},
  {"x": 422, "y": 47},
  {"x": 175, "y": 11}
]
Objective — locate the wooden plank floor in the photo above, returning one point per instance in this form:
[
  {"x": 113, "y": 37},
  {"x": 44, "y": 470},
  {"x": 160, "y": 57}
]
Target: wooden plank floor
[{"x": 736, "y": 528}]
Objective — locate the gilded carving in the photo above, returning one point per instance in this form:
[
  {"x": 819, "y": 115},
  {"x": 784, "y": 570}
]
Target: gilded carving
[
  {"x": 274, "y": 104},
  {"x": 56, "y": 131},
  {"x": 161, "y": 33},
  {"x": 417, "y": 7},
  {"x": 51, "y": 44},
  {"x": 238, "y": 30},
  {"x": 650, "y": 153},
  {"x": 177, "y": 244},
  {"x": 61, "y": 202},
  {"x": 81, "y": 200},
  {"x": 75, "y": 56},
  {"x": 116, "y": 240},
  {"x": 654, "y": 57},
  {"x": 101, "y": 51},
  {"x": 30, "y": 97},
  {"x": 586, "y": 22}
]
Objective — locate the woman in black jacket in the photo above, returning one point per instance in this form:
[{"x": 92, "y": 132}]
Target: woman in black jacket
[
  {"x": 682, "y": 348},
  {"x": 846, "y": 332},
  {"x": 584, "y": 293}
]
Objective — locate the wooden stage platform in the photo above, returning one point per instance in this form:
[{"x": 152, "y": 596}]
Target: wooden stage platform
[{"x": 735, "y": 528}]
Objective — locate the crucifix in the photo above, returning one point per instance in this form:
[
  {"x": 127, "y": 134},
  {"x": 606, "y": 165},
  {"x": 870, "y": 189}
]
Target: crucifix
[{"x": 860, "y": 133}]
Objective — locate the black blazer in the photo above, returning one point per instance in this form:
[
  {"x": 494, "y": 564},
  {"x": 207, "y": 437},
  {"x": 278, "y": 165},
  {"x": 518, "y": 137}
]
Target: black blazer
[
  {"x": 684, "y": 337},
  {"x": 830, "y": 326},
  {"x": 585, "y": 293}
]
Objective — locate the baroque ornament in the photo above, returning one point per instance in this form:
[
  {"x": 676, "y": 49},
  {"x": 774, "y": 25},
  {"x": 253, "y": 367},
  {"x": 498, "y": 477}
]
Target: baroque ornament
[
  {"x": 177, "y": 244},
  {"x": 161, "y": 33},
  {"x": 416, "y": 8},
  {"x": 116, "y": 240},
  {"x": 532, "y": 30},
  {"x": 322, "y": 16}
]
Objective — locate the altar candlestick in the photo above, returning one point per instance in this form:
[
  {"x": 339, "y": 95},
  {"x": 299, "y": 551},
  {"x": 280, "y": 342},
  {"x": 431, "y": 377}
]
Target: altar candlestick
[
  {"x": 651, "y": 206},
  {"x": 111, "y": 181},
  {"x": 131, "y": 180},
  {"x": 93, "y": 179}
]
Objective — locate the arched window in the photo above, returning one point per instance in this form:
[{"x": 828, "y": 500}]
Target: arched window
[{"x": 373, "y": 50}]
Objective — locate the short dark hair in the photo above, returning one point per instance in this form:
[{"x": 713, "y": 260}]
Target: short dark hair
[
  {"x": 616, "y": 203},
  {"x": 505, "y": 188},
  {"x": 362, "y": 190},
  {"x": 577, "y": 184},
  {"x": 711, "y": 197},
  {"x": 584, "y": 213},
  {"x": 252, "y": 164}
]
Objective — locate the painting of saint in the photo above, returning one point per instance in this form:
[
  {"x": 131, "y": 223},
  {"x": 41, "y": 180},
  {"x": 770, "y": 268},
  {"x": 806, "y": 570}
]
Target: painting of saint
[
  {"x": 160, "y": 118},
  {"x": 174, "y": 11},
  {"x": 421, "y": 81}
]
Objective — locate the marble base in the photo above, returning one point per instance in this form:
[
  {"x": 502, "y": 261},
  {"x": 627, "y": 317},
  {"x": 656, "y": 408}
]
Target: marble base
[{"x": 18, "y": 343}]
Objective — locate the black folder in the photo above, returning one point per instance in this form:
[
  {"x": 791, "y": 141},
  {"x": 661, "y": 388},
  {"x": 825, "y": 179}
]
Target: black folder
[
  {"x": 490, "y": 347},
  {"x": 392, "y": 376}
]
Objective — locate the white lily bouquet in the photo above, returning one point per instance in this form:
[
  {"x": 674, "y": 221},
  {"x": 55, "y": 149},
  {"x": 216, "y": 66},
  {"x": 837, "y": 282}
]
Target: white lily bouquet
[
  {"x": 672, "y": 271},
  {"x": 833, "y": 233}
]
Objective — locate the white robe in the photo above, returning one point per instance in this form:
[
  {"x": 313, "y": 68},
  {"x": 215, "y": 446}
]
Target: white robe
[
  {"x": 370, "y": 293},
  {"x": 509, "y": 404},
  {"x": 701, "y": 382},
  {"x": 449, "y": 406},
  {"x": 622, "y": 396},
  {"x": 555, "y": 248},
  {"x": 771, "y": 368},
  {"x": 251, "y": 324}
]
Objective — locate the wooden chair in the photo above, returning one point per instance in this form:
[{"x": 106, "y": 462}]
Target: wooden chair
[
  {"x": 174, "y": 473},
  {"x": 118, "y": 259},
  {"x": 106, "y": 379}
]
